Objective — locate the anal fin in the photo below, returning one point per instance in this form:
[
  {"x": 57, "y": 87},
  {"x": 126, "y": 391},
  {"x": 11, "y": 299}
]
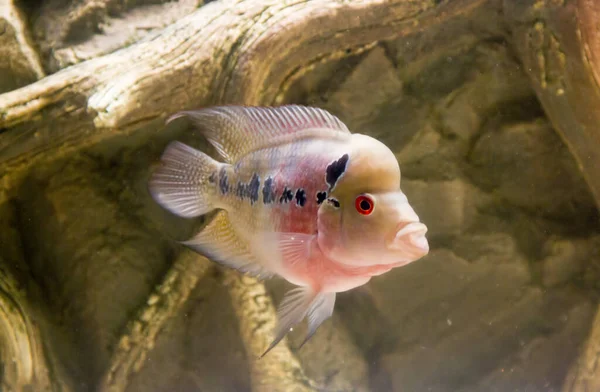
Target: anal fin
[
  {"x": 219, "y": 242},
  {"x": 297, "y": 304}
]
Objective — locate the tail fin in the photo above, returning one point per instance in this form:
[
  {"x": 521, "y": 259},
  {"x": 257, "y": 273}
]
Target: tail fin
[{"x": 185, "y": 182}]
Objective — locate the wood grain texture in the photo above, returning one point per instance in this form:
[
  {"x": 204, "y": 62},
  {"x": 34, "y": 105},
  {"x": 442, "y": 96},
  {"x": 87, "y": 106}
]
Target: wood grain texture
[
  {"x": 237, "y": 51},
  {"x": 143, "y": 329},
  {"x": 28, "y": 362},
  {"x": 557, "y": 42}
]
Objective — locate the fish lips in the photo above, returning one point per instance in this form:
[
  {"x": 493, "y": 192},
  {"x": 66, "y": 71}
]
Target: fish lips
[{"x": 410, "y": 239}]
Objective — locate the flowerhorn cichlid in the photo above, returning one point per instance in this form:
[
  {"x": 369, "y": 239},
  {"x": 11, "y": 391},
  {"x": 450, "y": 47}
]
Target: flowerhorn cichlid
[{"x": 298, "y": 196}]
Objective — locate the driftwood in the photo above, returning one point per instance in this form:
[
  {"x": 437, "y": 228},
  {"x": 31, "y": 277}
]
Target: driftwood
[
  {"x": 251, "y": 52},
  {"x": 22, "y": 354},
  {"x": 231, "y": 51},
  {"x": 559, "y": 47},
  {"x": 281, "y": 371},
  {"x": 67, "y": 33},
  {"x": 18, "y": 57},
  {"x": 142, "y": 332}
]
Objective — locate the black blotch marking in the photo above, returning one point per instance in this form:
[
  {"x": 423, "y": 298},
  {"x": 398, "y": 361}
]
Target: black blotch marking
[
  {"x": 268, "y": 191},
  {"x": 321, "y": 196},
  {"x": 333, "y": 201},
  {"x": 223, "y": 181},
  {"x": 241, "y": 190},
  {"x": 286, "y": 196},
  {"x": 212, "y": 178},
  {"x": 335, "y": 170},
  {"x": 301, "y": 197},
  {"x": 248, "y": 190},
  {"x": 253, "y": 188}
]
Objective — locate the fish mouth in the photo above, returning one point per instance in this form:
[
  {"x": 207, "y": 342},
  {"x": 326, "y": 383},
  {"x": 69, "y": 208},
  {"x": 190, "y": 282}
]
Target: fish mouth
[{"x": 410, "y": 237}]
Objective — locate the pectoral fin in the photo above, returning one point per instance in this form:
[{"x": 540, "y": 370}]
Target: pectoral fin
[{"x": 294, "y": 247}]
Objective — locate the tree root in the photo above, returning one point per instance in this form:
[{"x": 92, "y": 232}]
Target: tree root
[{"x": 162, "y": 305}]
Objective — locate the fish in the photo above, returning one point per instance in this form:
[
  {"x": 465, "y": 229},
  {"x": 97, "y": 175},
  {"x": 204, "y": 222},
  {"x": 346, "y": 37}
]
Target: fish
[{"x": 297, "y": 196}]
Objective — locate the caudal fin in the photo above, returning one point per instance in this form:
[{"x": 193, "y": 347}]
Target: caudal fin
[{"x": 185, "y": 182}]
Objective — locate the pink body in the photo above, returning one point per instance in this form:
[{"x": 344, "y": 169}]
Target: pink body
[
  {"x": 305, "y": 171},
  {"x": 324, "y": 274}
]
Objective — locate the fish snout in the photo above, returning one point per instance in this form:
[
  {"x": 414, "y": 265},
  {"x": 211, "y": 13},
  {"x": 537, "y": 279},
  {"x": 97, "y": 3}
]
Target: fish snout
[{"x": 410, "y": 238}]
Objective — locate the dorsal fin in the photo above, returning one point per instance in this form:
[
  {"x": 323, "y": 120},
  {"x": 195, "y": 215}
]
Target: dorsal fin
[{"x": 237, "y": 130}]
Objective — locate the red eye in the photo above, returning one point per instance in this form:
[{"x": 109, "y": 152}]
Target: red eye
[{"x": 364, "y": 205}]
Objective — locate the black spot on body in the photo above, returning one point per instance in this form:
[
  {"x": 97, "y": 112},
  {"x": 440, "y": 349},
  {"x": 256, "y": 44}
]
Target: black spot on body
[
  {"x": 212, "y": 178},
  {"x": 321, "y": 196},
  {"x": 300, "y": 197},
  {"x": 268, "y": 191},
  {"x": 241, "y": 190},
  {"x": 335, "y": 170},
  {"x": 333, "y": 201},
  {"x": 286, "y": 196},
  {"x": 248, "y": 190},
  {"x": 223, "y": 181},
  {"x": 253, "y": 188}
]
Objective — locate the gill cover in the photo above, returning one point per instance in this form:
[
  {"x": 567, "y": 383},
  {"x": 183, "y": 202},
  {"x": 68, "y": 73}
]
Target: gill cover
[{"x": 365, "y": 223}]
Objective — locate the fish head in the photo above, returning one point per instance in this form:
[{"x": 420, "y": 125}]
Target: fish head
[{"x": 367, "y": 219}]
